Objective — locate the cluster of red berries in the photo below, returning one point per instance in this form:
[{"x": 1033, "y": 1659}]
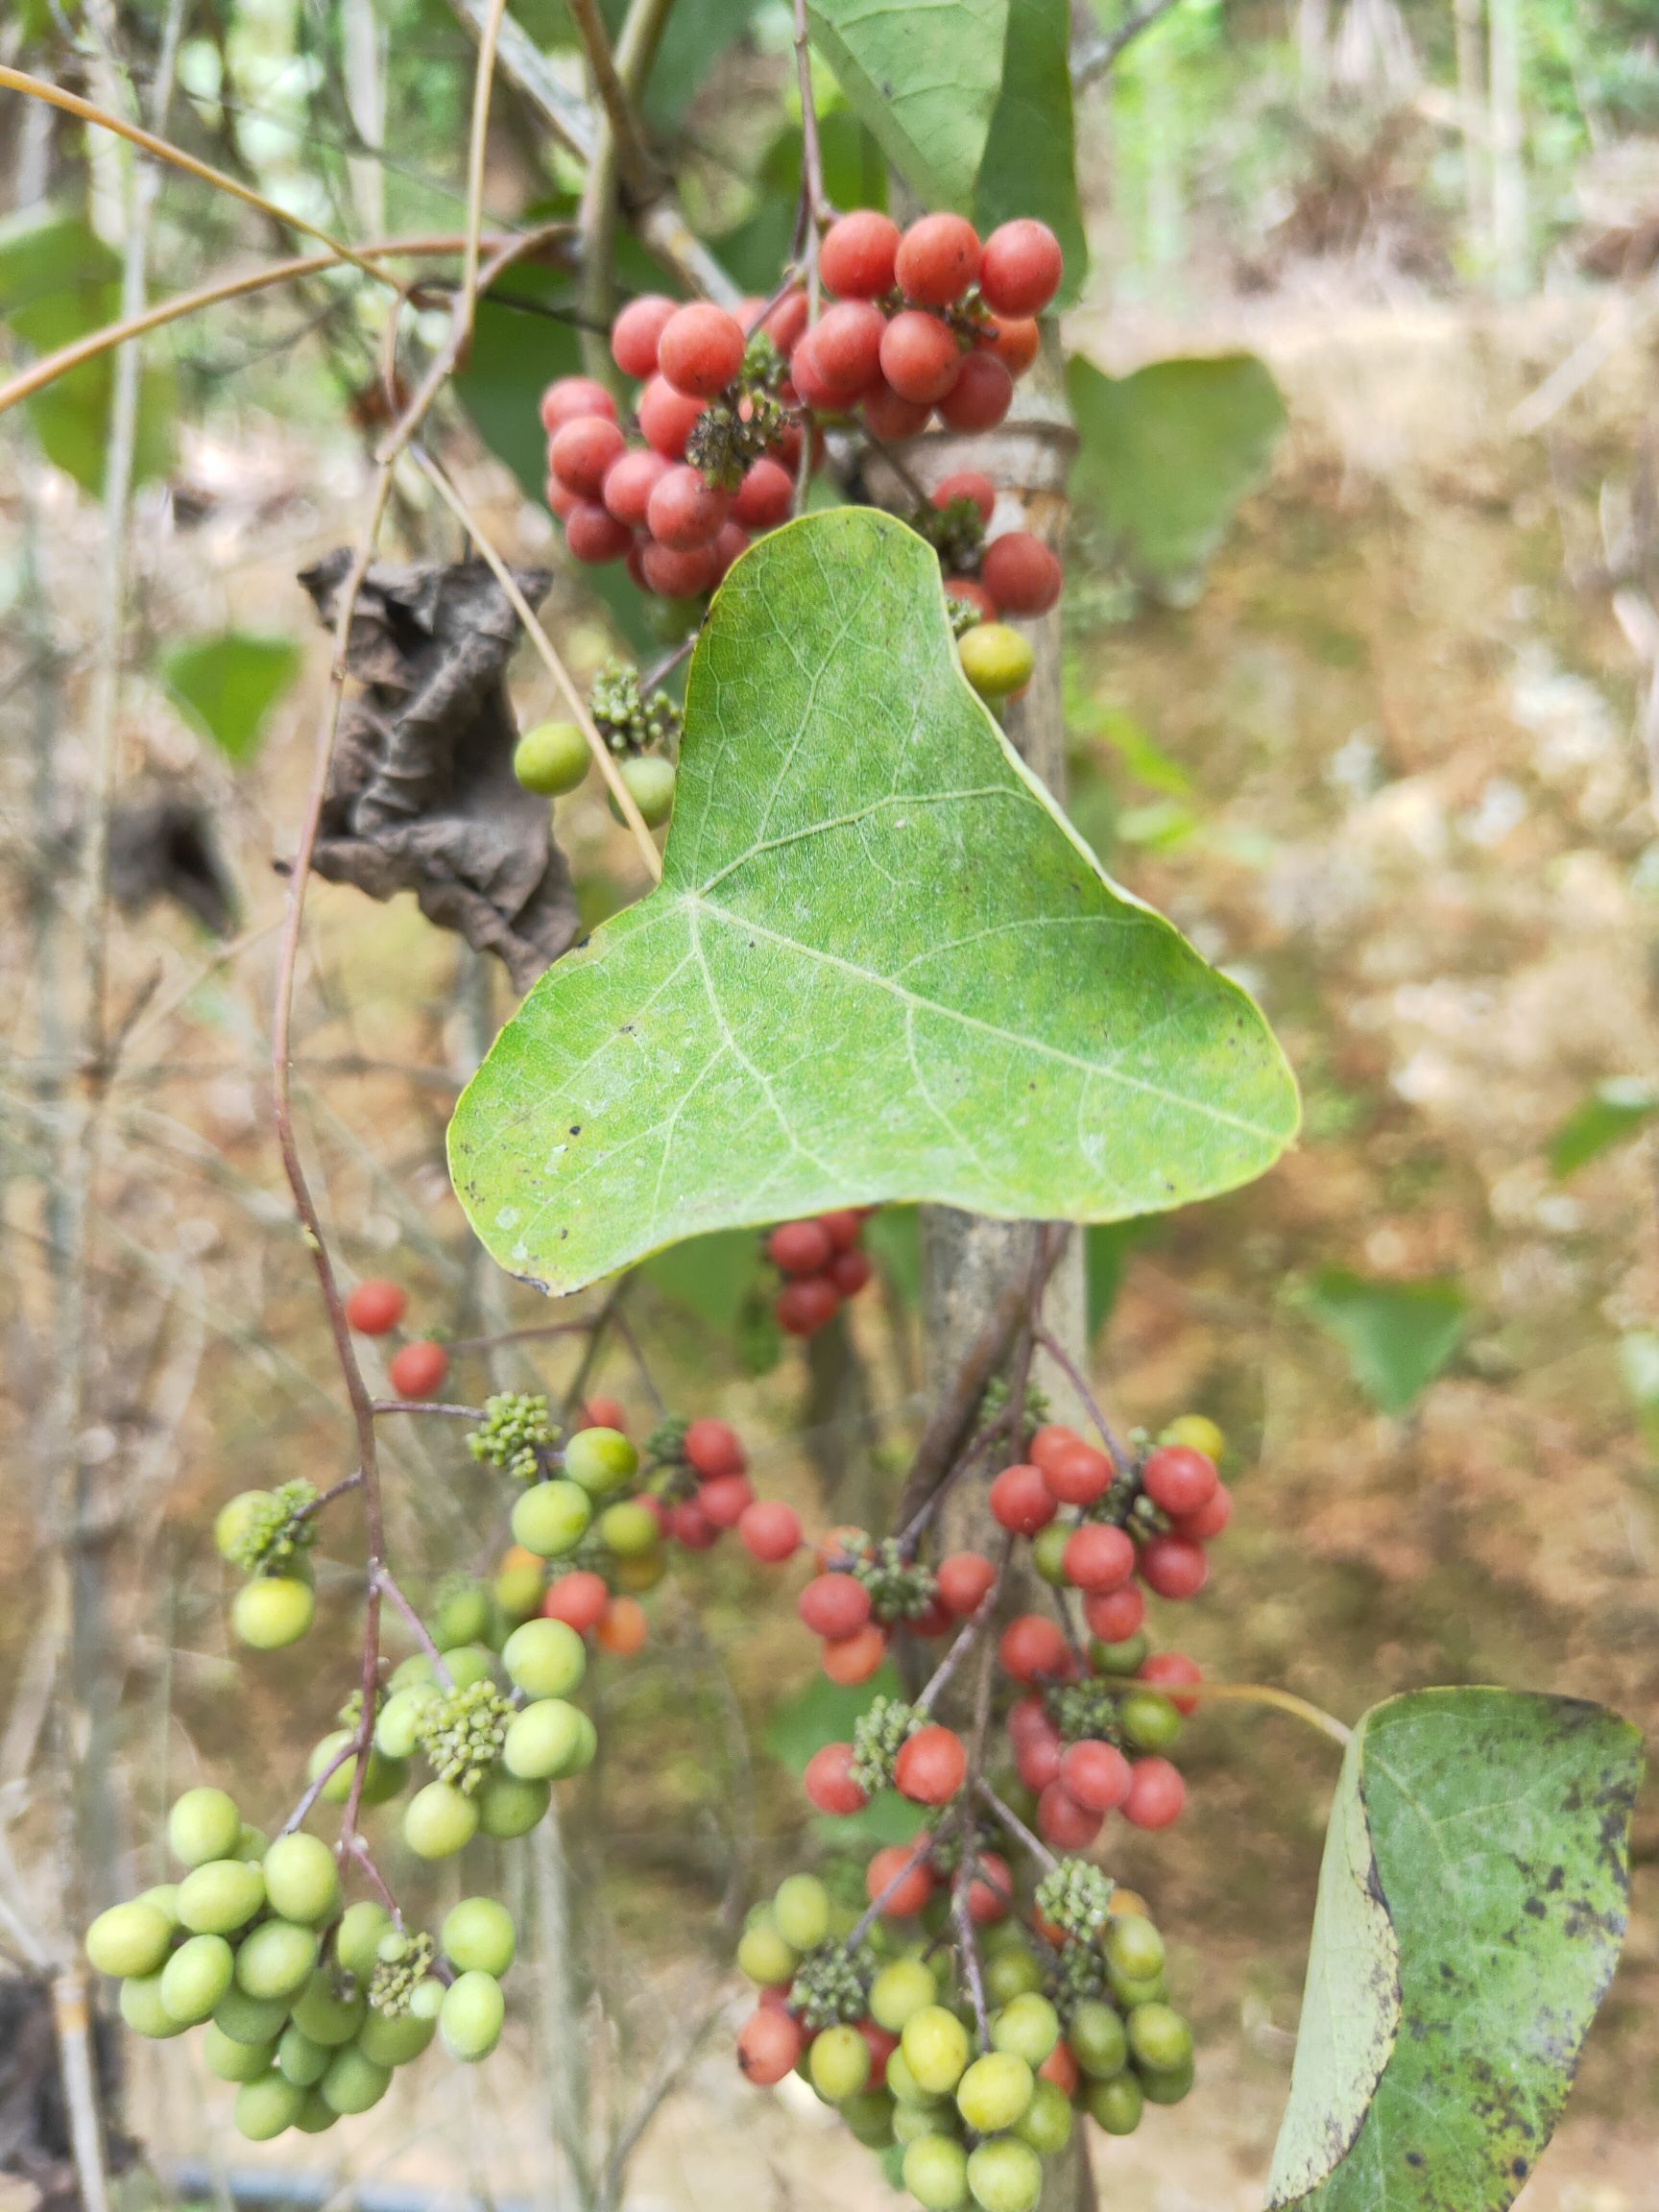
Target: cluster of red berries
[
  {"x": 418, "y": 1369},
  {"x": 822, "y": 1264}
]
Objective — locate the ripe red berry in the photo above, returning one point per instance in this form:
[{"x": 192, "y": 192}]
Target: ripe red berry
[
  {"x": 932, "y": 1766},
  {"x": 891, "y": 417},
  {"x": 713, "y": 1448},
  {"x": 856, "y": 259},
  {"x": 965, "y": 587},
  {"x": 1095, "y": 1774},
  {"x": 1169, "y": 1669},
  {"x": 850, "y": 1272},
  {"x": 843, "y": 1225},
  {"x": 1016, "y": 344},
  {"x": 935, "y": 1618},
  {"x": 690, "y": 1527},
  {"x": 828, "y": 1781},
  {"x": 991, "y": 1891},
  {"x": 980, "y": 397},
  {"x": 1028, "y": 1717},
  {"x": 604, "y": 1413},
  {"x": 1178, "y": 1478},
  {"x": 577, "y": 1599},
  {"x": 911, "y": 1886},
  {"x": 629, "y": 483},
  {"x": 559, "y": 499},
  {"x": 684, "y": 512},
  {"x": 1038, "y": 1757},
  {"x": 881, "y": 2048},
  {"x": 834, "y": 1605},
  {"x": 725, "y": 1499},
  {"x": 813, "y": 388},
  {"x": 594, "y": 535},
  {"x": 570, "y": 397},
  {"x": 1064, "y": 1823},
  {"x": 1210, "y": 1519},
  {"x": 854, "y": 1658},
  {"x": 1032, "y": 1645},
  {"x": 769, "y": 2045},
  {"x": 799, "y": 1247},
  {"x": 1156, "y": 1794},
  {"x": 1061, "y": 2068},
  {"x": 920, "y": 357},
  {"x": 1078, "y": 1475},
  {"x": 1020, "y": 573},
  {"x": 636, "y": 332},
  {"x": 846, "y": 347},
  {"x": 419, "y": 1369},
  {"x": 764, "y": 497},
  {"x": 667, "y": 418},
  {"x": 1051, "y": 1439},
  {"x": 675, "y": 575},
  {"x": 1098, "y": 1557},
  {"x": 1020, "y": 268},
  {"x": 700, "y": 349},
  {"x": 581, "y": 452},
  {"x": 806, "y": 1304},
  {"x": 785, "y": 322},
  {"x": 731, "y": 540},
  {"x": 963, "y": 1580},
  {"x": 1021, "y": 1499},
  {"x": 938, "y": 258},
  {"x": 1115, "y": 1614},
  {"x": 966, "y": 484},
  {"x": 769, "y": 1530},
  {"x": 1174, "y": 1567},
  {"x": 375, "y": 1306}
]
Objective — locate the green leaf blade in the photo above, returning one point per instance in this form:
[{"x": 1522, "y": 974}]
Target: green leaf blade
[
  {"x": 923, "y": 76},
  {"x": 880, "y": 966},
  {"x": 1613, "y": 1112},
  {"x": 1398, "y": 1336},
  {"x": 1029, "y": 163},
  {"x": 229, "y": 683}
]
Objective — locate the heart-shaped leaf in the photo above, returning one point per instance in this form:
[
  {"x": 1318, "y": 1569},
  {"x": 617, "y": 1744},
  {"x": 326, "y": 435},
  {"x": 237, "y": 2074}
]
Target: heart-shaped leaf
[
  {"x": 880, "y": 965},
  {"x": 924, "y": 75},
  {"x": 1472, "y": 1903}
]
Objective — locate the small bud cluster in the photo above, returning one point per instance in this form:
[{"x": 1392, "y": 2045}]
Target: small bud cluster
[
  {"x": 626, "y": 719},
  {"x": 462, "y": 1732},
  {"x": 900, "y": 1588},
  {"x": 275, "y": 1527},
  {"x": 402, "y": 1962},
  {"x": 878, "y": 1736},
  {"x": 1084, "y": 1709},
  {"x": 516, "y": 1430},
  {"x": 1076, "y": 1898},
  {"x": 831, "y": 1983}
]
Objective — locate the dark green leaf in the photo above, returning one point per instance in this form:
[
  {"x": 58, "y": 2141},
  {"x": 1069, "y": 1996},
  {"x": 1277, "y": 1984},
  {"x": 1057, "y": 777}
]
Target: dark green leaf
[
  {"x": 924, "y": 75},
  {"x": 1028, "y": 167},
  {"x": 1472, "y": 1903},
  {"x": 1398, "y": 1336},
  {"x": 1107, "y": 1246},
  {"x": 1168, "y": 454},
  {"x": 227, "y": 684},
  {"x": 879, "y": 966},
  {"x": 1611, "y": 1112},
  {"x": 893, "y": 1238}
]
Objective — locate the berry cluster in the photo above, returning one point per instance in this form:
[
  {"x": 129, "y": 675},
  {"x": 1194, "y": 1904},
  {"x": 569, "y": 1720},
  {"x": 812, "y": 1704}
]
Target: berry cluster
[
  {"x": 642, "y": 730},
  {"x": 864, "y": 1590},
  {"x": 822, "y": 1264},
  {"x": 307, "y": 2003}
]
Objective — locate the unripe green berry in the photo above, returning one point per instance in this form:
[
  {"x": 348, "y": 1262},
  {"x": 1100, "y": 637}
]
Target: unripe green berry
[
  {"x": 911, "y": 2120},
  {"x": 1098, "y": 2043},
  {"x": 1148, "y": 1720},
  {"x": 993, "y": 2092},
  {"x": 509, "y": 1806},
  {"x": 462, "y": 1615},
  {"x": 1046, "y": 2123},
  {"x": 246, "y": 2019},
  {"x": 466, "y": 1664},
  {"x": 1009, "y": 1973},
  {"x": 1116, "y": 2105},
  {"x": 143, "y": 2010},
  {"x": 439, "y": 1821},
  {"x": 1128, "y": 1990},
  {"x": 204, "y": 1824},
  {"x": 996, "y": 660},
  {"x": 519, "y": 1588},
  {"x": 196, "y": 1977},
  {"x": 1048, "y": 1552},
  {"x": 275, "y": 1959},
  {"x": 353, "y": 2082},
  {"x": 1132, "y": 1945},
  {"x": 328, "y": 2014},
  {"x": 219, "y": 1897},
  {"x": 649, "y": 779},
  {"x": 800, "y": 1911},
  {"x": 264, "y": 2109},
  {"x": 1028, "y": 2026},
  {"x": 471, "y": 2017},
  {"x": 228, "y": 2061},
  {"x": 601, "y": 1461},
  {"x": 357, "y": 1939},
  {"x": 426, "y": 1999},
  {"x": 1160, "y": 2041},
  {"x": 551, "y": 1518},
  {"x": 936, "y": 2174},
  {"x": 1124, "y": 1658},
  {"x": 901, "y": 1989},
  {"x": 478, "y": 1934},
  {"x": 544, "y": 1741},
  {"x": 394, "y": 2039},
  {"x": 396, "y": 1724},
  {"x": 236, "y": 1519},
  {"x": 1165, "y": 2087},
  {"x": 765, "y": 1953},
  {"x": 629, "y": 1529},
  {"x": 909, "y": 2091},
  {"x": 131, "y": 1939},
  {"x": 868, "y": 2115},
  {"x": 936, "y": 2050},
  {"x": 544, "y": 1658},
  {"x": 839, "y": 2062},
  {"x": 273, "y": 1611},
  {"x": 314, "y": 2117},
  {"x": 301, "y": 2058},
  {"x": 1005, "y": 2175},
  {"x": 551, "y": 758}
]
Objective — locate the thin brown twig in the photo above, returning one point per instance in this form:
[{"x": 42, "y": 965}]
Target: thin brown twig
[
  {"x": 635, "y": 165},
  {"x": 1119, "y": 1452}
]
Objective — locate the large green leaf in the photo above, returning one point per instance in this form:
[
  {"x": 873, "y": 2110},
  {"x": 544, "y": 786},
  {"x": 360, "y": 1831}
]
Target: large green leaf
[
  {"x": 1472, "y": 1903},
  {"x": 1398, "y": 1336},
  {"x": 229, "y": 683},
  {"x": 924, "y": 75},
  {"x": 1028, "y": 167},
  {"x": 1165, "y": 456},
  {"x": 879, "y": 966}
]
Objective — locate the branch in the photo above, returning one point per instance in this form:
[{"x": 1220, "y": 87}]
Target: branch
[
  {"x": 621, "y": 125},
  {"x": 1090, "y": 63}
]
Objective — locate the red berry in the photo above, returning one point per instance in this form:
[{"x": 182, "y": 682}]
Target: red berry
[
  {"x": 577, "y": 1599},
  {"x": 937, "y": 260},
  {"x": 1028, "y": 1718},
  {"x": 629, "y": 483},
  {"x": 856, "y": 259},
  {"x": 965, "y": 587},
  {"x": 713, "y": 1448},
  {"x": 812, "y": 387},
  {"x": 1033, "y": 1645},
  {"x": 881, "y": 2048},
  {"x": 963, "y": 1580},
  {"x": 850, "y": 1272},
  {"x": 1097, "y": 1557},
  {"x": 594, "y": 534},
  {"x": 581, "y": 452},
  {"x": 1061, "y": 2068},
  {"x": 980, "y": 397},
  {"x": 690, "y": 1525},
  {"x": 769, "y": 2045},
  {"x": 1021, "y": 1499},
  {"x": 932, "y": 1766},
  {"x": 725, "y": 1499},
  {"x": 700, "y": 349},
  {"x": 799, "y": 1247},
  {"x": 804, "y": 1305},
  {"x": 966, "y": 484},
  {"x": 1020, "y": 573},
  {"x": 1174, "y": 1567},
  {"x": 843, "y": 1225},
  {"x": 785, "y": 322},
  {"x": 568, "y": 397},
  {"x": 920, "y": 357},
  {"x": 1210, "y": 1519},
  {"x": 1078, "y": 1475},
  {"x": 935, "y": 1618},
  {"x": 991, "y": 1891},
  {"x": 675, "y": 575},
  {"x": 1156, "y": 1794},
  {"x": 1115, "y": 1614},
  {"x": 419, "y": 1370},
  {"x": 834, "y": 1605},
  {"x": 854, "y": 1658},
  {"x": 769, "y": 1530},
  {"x": 1167, "y": 1670},
  {"x": 846, "y": 347},
  {"x": 828, "y": 1781},
  {"x": 604, "y": 1413},
  {"x": 764, "y": 497},
  {"x": 1095, "y": 1774},
  {"x": 1178, "y": 1478},
  {"x": 636, "y": 332},
  {"x": 1015, "y": 344},
  {"x": 891, "y": 416},
  {"x": 667, "y": 418},
  {"x": 912, "y": 1885},
  {"x": 1050, "y": 1441},
  {"x": 1020, "y": 268},
  {"x": 731, "y": 540},
  {"x": 559, "y": 499},
  {"x": 1038, "y": 1756},
  {"x": 684, "y": 512},
  {"x": 375, "y": 1306},
  {"x": 1064, "y": 1823}
]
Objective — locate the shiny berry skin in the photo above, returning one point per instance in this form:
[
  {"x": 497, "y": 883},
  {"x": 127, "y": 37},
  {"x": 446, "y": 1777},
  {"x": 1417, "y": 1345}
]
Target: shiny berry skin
[
  {"x": 675, "y": 575},
  {"x": 932, "y": 1766},
  {"x": 996, "y": 660},
  {"x": 1050, "y": 1440},
  {"x": 828, "y": 1781},
  {"x": 806, "y": 1304},
  {"x": 581, "y": 452},
  {"x": 964, "y": 588},
  {"x": 684, "y": 512},
  {"x": 731, "y": 540},
  {"x": 856, "y": 257},
  {"x": 1038, "y": 1756},
  {"x": 1032, "y": 1645},
  {"x": 725, "y": 1499},
  {"x": 1095, "y": 1774},
  {"x": 629, "y": 483},
  {"x": 920, "y": 357},
  {"x": 850, "y": 1272},
  {"x": 594, "y": 535},
  {"x": 769, "y": 2045},
  {"x": 964, "y": 1580},
  {"x": 938, "y": 258},
  {"x": 1022, "y": 1501},
  {"x": 1156, "y": 1794},
  {"x": 991, "y": 1891},
  {"x": 1098, "y": 1557},
  {"x": 1015, "y": 342},
  {"x": 1178, "y": 1479},
  {"x": 637, "y": 333},
  {"x": 667, "y": 418},
  {"x": 812, "y": 387},
  {"x": 769, "y": 1530},
  {"x": 833, "y": 1605},
  {"x": 980, "y": 397},
  {"x": 799, "y": 1247},
  {"x": 577, "y": 1599},
  {"x": 558, "y": 500},
  {"x": 966, "y": 484},
  {"x": 1115, "y": 1614},
  {"x": 847, "y": 347},
  {"x": 891, "y": 416},
  {"x": 700, "y": 349},
  {"x": 1020, "y": 573},
  {"x": 1174, "y": 1567},
  {"x": 764, "y": 497},
  {"x": 785, "y": 322},
  {"x": 1078, "y": 1475},
  {"x": 913, "y": 1886},
  {"x": 713, "y": 1448},
  {"x": 1064, "y": 1824},
  {"x": 375, "y": 1306},
  {"x": 691, "y": 1528},
  {"x": 419, "y": 1370},
  {"x": 1028, "y": 1717},
  {"x": 854, "y": 1658},
  {"x": 570, "y": 397},
  {"x": 1020, "y": 268},
  {"x": 1210, "y": 1519}
]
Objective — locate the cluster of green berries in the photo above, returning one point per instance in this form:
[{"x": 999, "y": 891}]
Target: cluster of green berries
[
  {"x": 626, "y": 718},
  {"x": 306, "y": 2005},
  {"x": 269, "y": 1535},
  {"x": 553, "y": 758}
]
